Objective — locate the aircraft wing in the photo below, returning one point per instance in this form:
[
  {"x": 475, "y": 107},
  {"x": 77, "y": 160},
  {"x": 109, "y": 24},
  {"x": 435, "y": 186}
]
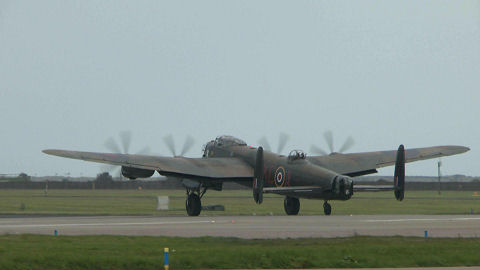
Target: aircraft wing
[
  {"x": 197, "y": 168},
  {"x": 358, "y": 164}
]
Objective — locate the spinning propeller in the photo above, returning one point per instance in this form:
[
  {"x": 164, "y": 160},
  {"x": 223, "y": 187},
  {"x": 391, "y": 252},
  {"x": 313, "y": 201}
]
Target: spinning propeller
[
  {"x": 282, "y": 142},
  {"x": 187, "y": 145},
  {"x": 349, "y": 142},
  {"x": 121, "y": 148}
]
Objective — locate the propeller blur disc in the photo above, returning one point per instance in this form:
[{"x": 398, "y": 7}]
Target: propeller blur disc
[{"x": 170, "y": 144}]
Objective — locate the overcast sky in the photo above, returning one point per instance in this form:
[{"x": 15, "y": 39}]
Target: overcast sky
[{"x": 74, "y": 73}]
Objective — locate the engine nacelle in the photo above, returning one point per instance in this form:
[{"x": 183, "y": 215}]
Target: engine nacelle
[
  {"x": 342, "y": 187},
  {"x": 134, "y": 173}
]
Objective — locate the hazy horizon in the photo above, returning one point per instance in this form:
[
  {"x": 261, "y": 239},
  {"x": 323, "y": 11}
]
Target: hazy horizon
[{"x": 73, "y": 74}]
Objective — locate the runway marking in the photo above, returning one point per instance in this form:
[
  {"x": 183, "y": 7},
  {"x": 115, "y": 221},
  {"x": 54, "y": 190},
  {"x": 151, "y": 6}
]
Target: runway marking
[
  {"x": 107, "y": 224},
  {"x": 420, "y": 219}
]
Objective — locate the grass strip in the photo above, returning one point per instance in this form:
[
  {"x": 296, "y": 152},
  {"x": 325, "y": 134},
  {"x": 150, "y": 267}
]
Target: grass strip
[
  {"x": 237, "y": 202},
  {"x": 125, "y": 252}
]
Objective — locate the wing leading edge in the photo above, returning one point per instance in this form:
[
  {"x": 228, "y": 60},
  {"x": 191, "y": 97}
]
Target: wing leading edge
[
  {"x": 357, "y": 164},
  {"x": 211, "y": 168}
]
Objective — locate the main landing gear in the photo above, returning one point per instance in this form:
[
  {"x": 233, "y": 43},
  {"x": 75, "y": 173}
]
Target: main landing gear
[
  {"x": 291, "y": 205},
  {"x": 193, "y": 203},
  {"x": 327, "y": 208}
]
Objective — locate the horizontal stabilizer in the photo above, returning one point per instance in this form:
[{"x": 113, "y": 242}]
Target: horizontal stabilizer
[
  {"x": 293, "y": 190},
  {"x": 360, "y": 188}
]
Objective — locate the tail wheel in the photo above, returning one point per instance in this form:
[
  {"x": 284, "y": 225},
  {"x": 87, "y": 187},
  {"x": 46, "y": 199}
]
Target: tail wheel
[
  {"x": 327, "y": 208},
  {"x": 291, "y": 205},
  {"x": 193, "y": 205}
]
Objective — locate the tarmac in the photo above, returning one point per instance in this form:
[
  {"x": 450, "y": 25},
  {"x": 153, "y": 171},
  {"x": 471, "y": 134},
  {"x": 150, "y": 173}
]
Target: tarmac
[{"x": 249, "y": 227}]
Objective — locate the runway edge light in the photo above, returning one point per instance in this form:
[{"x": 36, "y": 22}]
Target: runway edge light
[{"x": 165, "y": 259}]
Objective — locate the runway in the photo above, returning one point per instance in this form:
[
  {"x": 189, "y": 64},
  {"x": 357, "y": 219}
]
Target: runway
[{"x": 250, "y": 227}]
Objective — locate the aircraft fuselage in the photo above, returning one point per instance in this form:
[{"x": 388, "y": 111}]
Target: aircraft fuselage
[{"x": 288, "y": 171}]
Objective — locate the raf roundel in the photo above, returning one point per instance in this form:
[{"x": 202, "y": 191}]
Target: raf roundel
[{"x": 280, "y": 177}]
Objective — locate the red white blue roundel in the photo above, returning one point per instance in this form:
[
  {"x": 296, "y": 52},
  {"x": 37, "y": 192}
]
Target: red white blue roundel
[{"x": 280, "y": 177}]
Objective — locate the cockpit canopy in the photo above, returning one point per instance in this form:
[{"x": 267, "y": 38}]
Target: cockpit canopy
[
  {"x": 296, "y": 154},
  {"x": 228, "y": 141}
]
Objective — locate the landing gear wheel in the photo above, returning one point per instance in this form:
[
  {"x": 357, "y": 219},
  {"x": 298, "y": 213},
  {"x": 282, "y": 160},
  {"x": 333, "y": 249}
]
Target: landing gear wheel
[
  {"x": 291, "y": 205},
  {"x": 327, "y": 208},
  {"x": 193, "y": 205}
]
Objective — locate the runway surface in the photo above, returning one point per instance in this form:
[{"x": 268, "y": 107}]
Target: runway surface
[{"x": 250, "y": 226}]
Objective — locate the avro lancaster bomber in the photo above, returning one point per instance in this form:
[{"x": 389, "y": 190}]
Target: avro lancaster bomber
[{"x": 327, "y": 177}]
